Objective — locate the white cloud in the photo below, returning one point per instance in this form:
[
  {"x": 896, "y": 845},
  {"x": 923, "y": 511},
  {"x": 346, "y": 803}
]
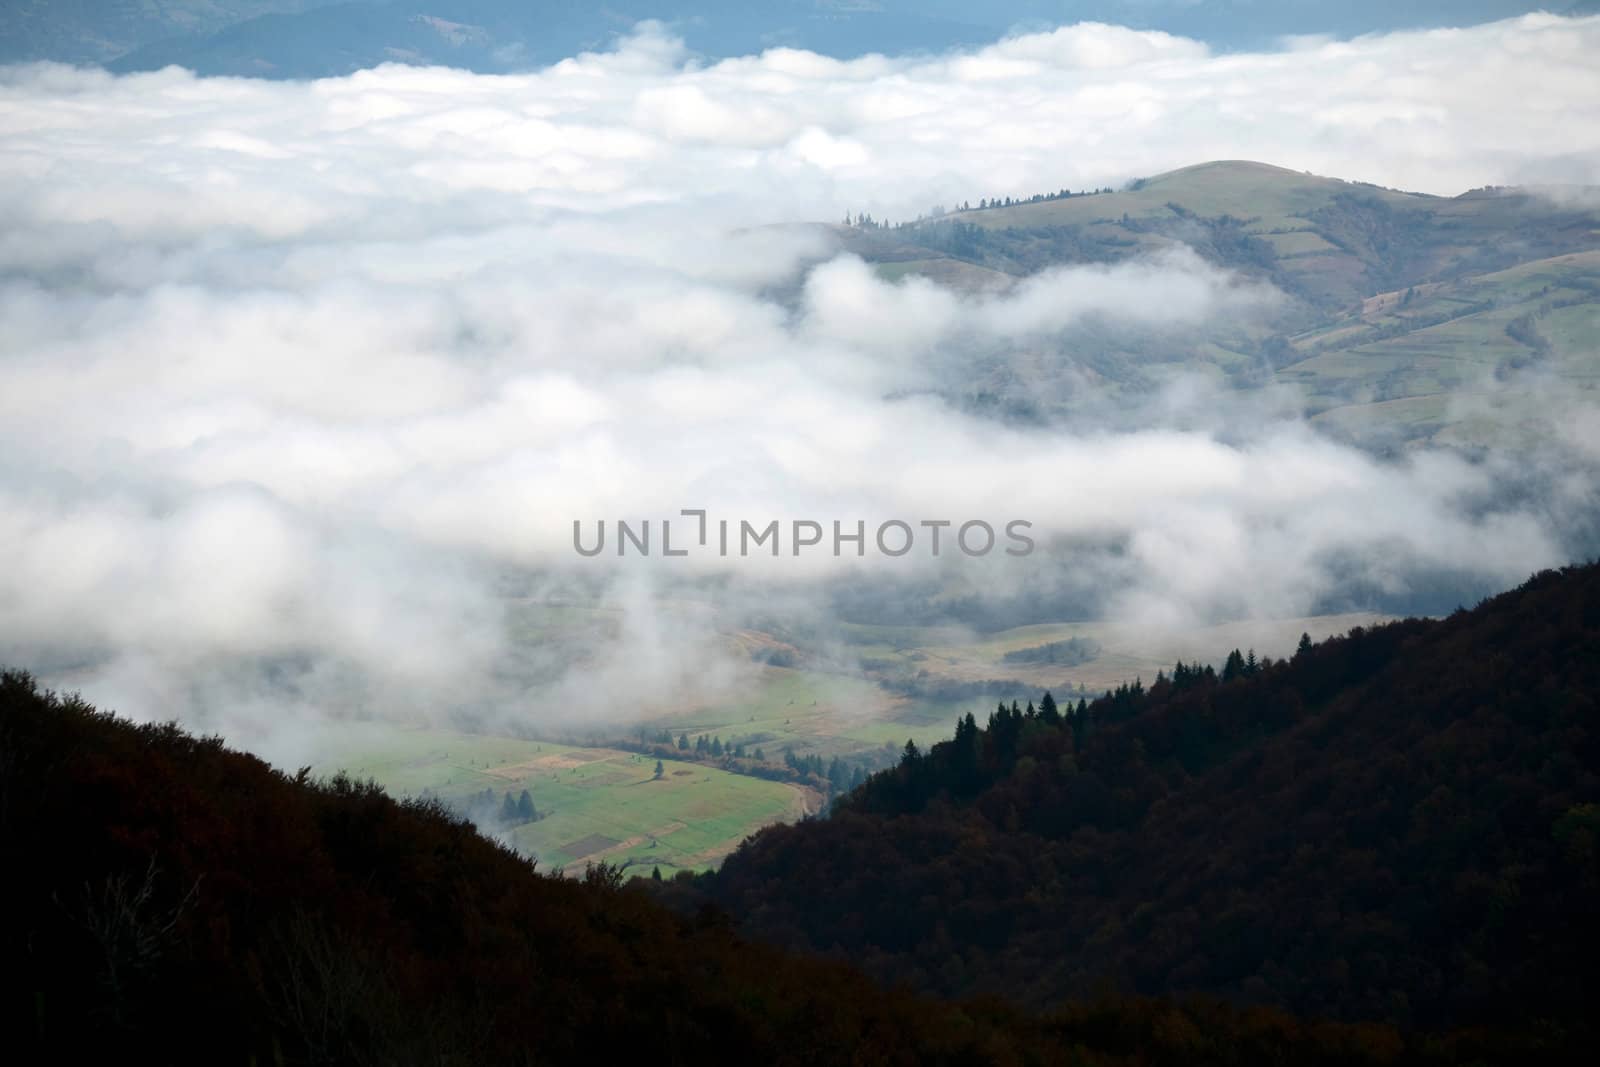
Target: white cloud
[{"x": 290, "y": 374}]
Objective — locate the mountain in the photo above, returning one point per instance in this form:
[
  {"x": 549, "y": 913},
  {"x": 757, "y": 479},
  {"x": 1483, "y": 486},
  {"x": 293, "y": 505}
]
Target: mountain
[
  {"x": 1400, "y": 825},
  {"x": 169, "y": 896},
  {"x": 169, "y": 900},
  {"x": 1397, "y": 825},
  {"x": 318, "y": 38},
  {"x": 98, "y": 31},
  {"x": 1405, "y": 311}
]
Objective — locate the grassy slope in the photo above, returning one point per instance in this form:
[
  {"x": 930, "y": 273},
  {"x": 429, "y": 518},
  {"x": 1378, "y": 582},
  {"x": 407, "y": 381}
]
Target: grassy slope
[
  {"x": 1419, "y": 363},
  {"x": 602, "y": 803},
  {"x": 1125, "y": 652},
  {"x": 1439, "y": 366},
  {"x": 598, "y": 803},
  {"x": 1275, "y": 198}
]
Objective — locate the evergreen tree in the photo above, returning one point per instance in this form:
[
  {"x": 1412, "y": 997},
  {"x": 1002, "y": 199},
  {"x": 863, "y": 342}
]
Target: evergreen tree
[
  {"x": 1234, "y": 667},
  {"x": 525, "y": 808},
  {"x": 1048, "y": 712},
  {"x": 968, "y": 750},
  {"x": 661, "y": 768},
  {"x": 508, "y": 810},
  {"x": 838, "y": 775}
]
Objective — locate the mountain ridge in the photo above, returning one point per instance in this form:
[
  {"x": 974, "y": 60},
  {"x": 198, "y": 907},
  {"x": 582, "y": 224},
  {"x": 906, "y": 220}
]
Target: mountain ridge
[
  {"x": 1402, "y": 308},
  {"x": 1398, "y": 824},
  {"x": 296, "y": 38}
]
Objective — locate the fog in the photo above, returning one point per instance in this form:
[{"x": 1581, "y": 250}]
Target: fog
[{"x": 303, "y": 385}]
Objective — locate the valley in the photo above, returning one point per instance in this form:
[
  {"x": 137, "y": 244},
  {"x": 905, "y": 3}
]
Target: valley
[
  {"x": 596, "y": 791},
  {"x": 1405, "y": 321}
]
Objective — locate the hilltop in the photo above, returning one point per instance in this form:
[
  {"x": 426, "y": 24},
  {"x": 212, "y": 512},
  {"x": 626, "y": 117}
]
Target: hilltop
[{"x": 1409, "y": 318}]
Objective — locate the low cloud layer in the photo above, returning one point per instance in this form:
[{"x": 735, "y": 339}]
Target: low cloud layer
[{"x": 302, "y": 385}]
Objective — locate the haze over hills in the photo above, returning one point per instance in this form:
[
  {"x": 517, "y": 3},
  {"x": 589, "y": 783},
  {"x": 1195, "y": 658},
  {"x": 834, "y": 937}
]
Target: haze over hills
[
  {"x": 302, "y": 373},
  {"x": 488, "y": 398},
  {"x": 416, "y": 322},
  {"x": 318, "y": 38},
  {"x": 1408, "y": 318},
  {"x": 97, "y": 31}
]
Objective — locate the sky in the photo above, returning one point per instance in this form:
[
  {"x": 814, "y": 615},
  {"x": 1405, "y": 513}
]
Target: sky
[{"x": 302, "y": 383}]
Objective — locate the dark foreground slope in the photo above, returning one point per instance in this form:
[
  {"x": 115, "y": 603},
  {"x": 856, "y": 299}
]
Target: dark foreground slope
[
  {"x": 1397, "y": 825},
  {"x": 170, "y": 901},
  {"x": 170, "y": 894}
]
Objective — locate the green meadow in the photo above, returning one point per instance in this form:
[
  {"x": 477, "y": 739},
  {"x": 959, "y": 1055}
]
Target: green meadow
[
  {"x": 600, "y": 803},
  {"x": 594, "y": 803}
]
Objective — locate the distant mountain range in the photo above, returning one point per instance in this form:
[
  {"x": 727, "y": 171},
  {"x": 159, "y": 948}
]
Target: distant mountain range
[{"x": 316, "y": 38}]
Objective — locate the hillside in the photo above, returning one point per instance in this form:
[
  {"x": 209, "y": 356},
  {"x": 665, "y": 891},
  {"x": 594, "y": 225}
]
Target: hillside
[
  {"x": 172, "y": 901},
  {"x": 1410, "y": 319},
  {"x": 1399, "y": 824}
]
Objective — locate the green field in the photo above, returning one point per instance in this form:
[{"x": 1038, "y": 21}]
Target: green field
[
  {"x": 598, "y": 802},
  {"x": 817, "y": 712},
  {"x": 1125, "y": 652},
  {"x": 595, "y": 803},
  {"x": 1445, "y": 366},
  {"x": 1273, "y": 198},
  {"x": 838, "y": 714}
]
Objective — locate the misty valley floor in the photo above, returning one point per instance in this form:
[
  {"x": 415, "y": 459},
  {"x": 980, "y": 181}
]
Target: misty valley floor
[{"x": 604, "y": 804}]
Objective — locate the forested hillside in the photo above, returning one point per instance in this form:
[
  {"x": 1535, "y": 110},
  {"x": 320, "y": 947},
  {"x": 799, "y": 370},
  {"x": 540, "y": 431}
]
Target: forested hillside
[
  {"x": 171, "y": 901},
  {"x": 1396, "y": 828},
  {"x": 1397, "y": 825}
]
